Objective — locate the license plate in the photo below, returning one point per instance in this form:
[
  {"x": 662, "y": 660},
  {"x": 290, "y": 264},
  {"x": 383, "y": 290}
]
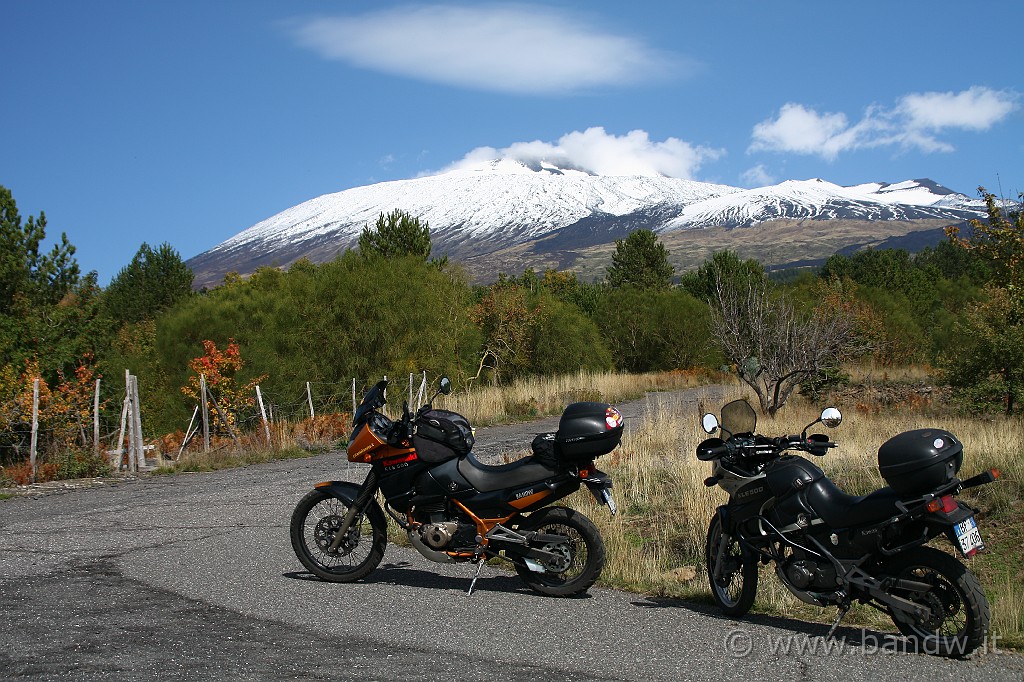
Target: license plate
[{"x": 969, "y": 536}]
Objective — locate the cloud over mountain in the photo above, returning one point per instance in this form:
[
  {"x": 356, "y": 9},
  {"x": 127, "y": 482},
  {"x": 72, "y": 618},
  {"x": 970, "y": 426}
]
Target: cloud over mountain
[
  {"x": 596, "y": 151},
  {"x": 514, "y": 48}
]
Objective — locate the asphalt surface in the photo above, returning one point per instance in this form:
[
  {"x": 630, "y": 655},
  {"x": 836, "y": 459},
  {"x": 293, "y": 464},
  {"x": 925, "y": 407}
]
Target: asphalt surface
[{"x": 192, "y": 577}]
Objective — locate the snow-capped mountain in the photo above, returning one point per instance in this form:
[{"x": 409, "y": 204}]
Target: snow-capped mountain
[
  {"x": 501, "y": 204},
  {"x": 821, "y": 200}
]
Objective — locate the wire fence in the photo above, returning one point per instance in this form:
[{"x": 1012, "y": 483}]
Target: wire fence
[{"x": 316, "y": 414}]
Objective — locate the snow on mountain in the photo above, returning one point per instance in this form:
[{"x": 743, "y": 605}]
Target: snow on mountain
[
  {"x": 502, "y": 202},
  {"x": 497, "y": 204},
  {"x": 820, "y": 200}
]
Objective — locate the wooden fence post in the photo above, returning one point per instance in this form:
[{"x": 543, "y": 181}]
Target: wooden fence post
[
  {"x": 119, "y": 451},
  {"x": 188, "y": 433},
  {"x": 130, "y": 451},
  {"x": 206, "y": 413},
  {"x": 309, "y": 396},
  {"x": 263, "y": 412},
  {"x": 353, "y": 396},
  {"x": 35, "y": 427},
  {"x": 140, "y": 445},
  {"x": 96, "y": 420}
]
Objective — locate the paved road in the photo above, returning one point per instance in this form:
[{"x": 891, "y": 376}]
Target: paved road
[{"x": 192, "y": 577}]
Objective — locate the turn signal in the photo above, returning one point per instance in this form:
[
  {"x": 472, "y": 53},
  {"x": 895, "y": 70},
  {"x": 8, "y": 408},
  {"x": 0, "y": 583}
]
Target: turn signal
[{"x": 934, "y": 505}]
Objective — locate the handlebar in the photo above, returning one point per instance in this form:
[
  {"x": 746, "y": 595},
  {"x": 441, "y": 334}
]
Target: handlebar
[{"x": 756, "y": 447}]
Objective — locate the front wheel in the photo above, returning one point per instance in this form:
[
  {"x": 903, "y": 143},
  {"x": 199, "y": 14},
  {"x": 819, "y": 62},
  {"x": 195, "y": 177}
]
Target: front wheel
[
  {"x": 577, "y": 559},
  {"x": 732, "y": 572},
  {"x": 315, "y": 522},
  {"x": 958, "y": 614}
]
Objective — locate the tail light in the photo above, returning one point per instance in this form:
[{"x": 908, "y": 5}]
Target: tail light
[
  {"x": 612, "y": 418},
  {"x": 946, "y": 504}
]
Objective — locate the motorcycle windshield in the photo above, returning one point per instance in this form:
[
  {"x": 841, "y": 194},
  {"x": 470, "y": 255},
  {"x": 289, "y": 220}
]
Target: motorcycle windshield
[
  {"x": 738, "y": 417},
  {"x": 373, "y": 399}
]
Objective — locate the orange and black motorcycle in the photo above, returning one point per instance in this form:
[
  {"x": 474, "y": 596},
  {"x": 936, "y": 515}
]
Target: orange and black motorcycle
[{"x": 453, "y": 507}]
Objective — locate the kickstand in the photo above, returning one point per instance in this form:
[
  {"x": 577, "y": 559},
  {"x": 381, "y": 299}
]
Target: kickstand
[
  {"x": 843, "y": 610},
  {"x": 479, "y": 565}
]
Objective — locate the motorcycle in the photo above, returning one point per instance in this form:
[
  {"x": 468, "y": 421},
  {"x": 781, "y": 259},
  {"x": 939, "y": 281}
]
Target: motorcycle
[
  {"x": 454, "y": 508},
  {"x": 831, "y": 548}
]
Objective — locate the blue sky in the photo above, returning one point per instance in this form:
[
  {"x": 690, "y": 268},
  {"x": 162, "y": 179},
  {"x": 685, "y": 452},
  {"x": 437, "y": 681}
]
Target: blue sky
[{"x": 186, "y": 122}]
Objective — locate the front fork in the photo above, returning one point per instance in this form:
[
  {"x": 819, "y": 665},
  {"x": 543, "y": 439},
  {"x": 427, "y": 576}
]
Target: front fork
[{"x": 366, "y": 493}]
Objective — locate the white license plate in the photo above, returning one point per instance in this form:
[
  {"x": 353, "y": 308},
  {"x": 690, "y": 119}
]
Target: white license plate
[{"x": 969, "y": 536}]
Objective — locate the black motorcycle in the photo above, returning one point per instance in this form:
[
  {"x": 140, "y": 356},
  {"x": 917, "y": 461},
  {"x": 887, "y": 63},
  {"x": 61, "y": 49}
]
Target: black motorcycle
[
  {"x": 831, "y": 548},
  {"x": 455, "y": 508}
]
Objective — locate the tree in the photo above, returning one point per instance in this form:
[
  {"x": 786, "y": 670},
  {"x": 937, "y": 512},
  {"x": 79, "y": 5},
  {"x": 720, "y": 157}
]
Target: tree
[
  {"x": 723, "y": 266},
  {"x": 29, "y": 278},
  {"x": 774, "y": 346},
  {"x": 155, "y": 280},
  {"x": 1000, "y": 241},
  {"x": 656, "y": 330},
  {"x": 218, "y": 368},
  {"x": 640, "y": 260},
  {"x": 396, "y": 234},
  {"x": 986, "y": 365},
  {"x": 507, "y": 324}
]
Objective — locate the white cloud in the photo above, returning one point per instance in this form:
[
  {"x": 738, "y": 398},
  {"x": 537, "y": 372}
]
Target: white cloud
[
  {"x": 506, "y": 48},
  {"x": 599, "y": 152},
  {"x": 913, "y": 122},
  {"x": 977, "y": 108},
  {"x": 758, "y": 176}
]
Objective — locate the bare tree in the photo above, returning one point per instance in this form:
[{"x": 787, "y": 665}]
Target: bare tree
[{"x": 774, "y": 346}]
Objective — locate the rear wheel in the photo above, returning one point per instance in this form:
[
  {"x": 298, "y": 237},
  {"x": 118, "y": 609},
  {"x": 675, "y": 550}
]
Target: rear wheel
[
  {"x": 958, "y": 614},
  {"x": 732, "y": 572},
  {"x": 315, "y": 522},
  {"x": 578, "y": 557}
]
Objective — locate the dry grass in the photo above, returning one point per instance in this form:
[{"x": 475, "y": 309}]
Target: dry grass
[
  {"x": 540, "y": 396},
  {"x": 656, "y": 544}
]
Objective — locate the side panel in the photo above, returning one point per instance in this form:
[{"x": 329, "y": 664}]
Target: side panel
[
  {"x": 397, "y": 477},
  {"x": 746, "y": 503}
]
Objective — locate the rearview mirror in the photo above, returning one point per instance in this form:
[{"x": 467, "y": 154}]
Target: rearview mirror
[
  {"x": 709, "y": 422},
  {"x": 831, "y": 417},
  {"x": 446, "y": 385}
]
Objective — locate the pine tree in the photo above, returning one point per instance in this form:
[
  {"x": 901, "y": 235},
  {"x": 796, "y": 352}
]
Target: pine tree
[
  {"x": 395, "y": 235},
  {"x": 155, "y": 280},
  {"x": 640, "y": 260},
  {"x": 27, "y": 277}
]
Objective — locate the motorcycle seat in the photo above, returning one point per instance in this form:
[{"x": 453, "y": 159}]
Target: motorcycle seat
[
  {"x": 488, "y": 478},
  {"x": 840, "y": 510}
]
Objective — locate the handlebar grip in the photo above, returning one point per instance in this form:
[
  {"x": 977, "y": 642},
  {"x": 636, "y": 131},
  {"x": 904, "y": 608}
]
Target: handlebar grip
[{"x": 713, "y": 448}]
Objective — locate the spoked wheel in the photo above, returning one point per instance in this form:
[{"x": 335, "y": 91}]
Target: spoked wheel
[
  {"x": 958, "y": 610},
  {"x": 734, "y": 580},
  {"x": 315, "y": 522},
  {"x": 578, "y": 557}
]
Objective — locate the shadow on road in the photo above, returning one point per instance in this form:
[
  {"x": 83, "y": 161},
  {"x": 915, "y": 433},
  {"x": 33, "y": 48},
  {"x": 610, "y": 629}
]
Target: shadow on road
[
  {"x": 402, "y": 575},
  {"x": 852, "y": 635}
]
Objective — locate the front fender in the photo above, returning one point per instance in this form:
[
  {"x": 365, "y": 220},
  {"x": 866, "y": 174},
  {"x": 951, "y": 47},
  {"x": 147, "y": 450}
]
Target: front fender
[{"x": 345, "y": 491}]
